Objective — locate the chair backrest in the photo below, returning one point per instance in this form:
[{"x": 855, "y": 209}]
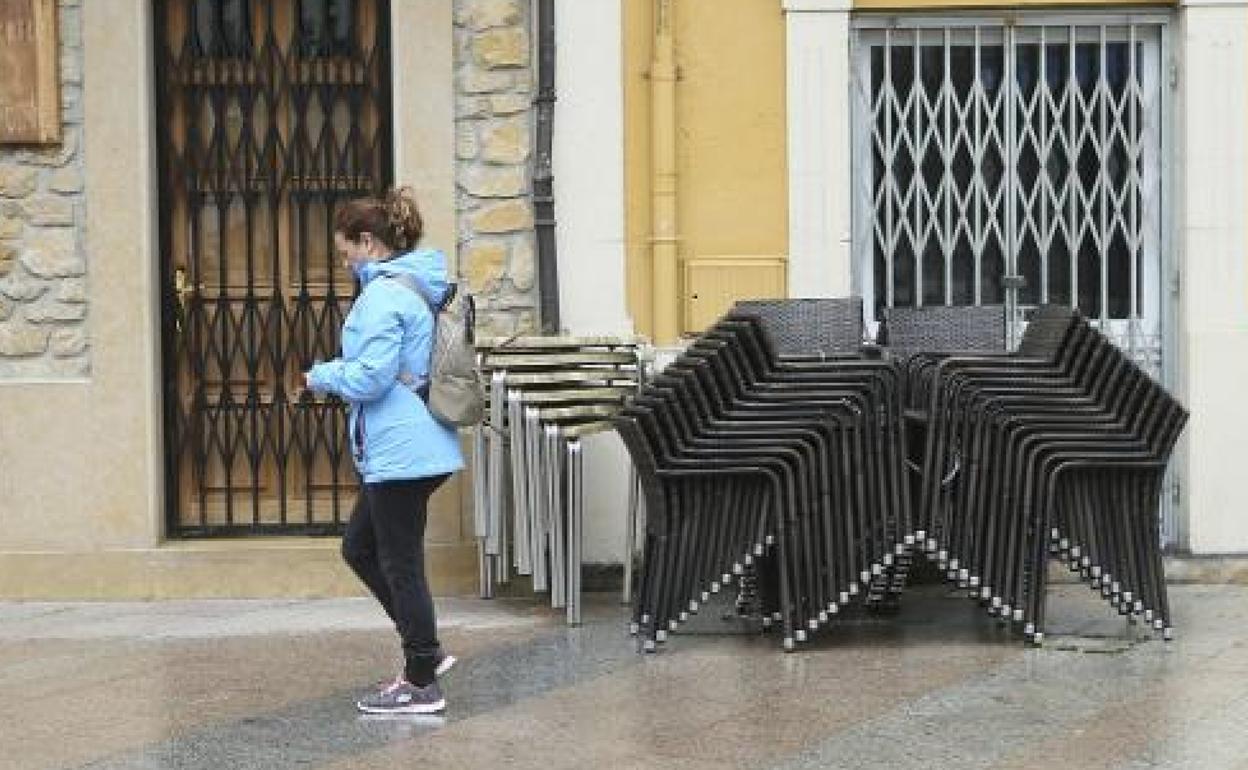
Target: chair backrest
[
  {"x": 1047, "y": 330},
  {"x": 944, "y": 329},
  {"x": 808, "y": 326}
]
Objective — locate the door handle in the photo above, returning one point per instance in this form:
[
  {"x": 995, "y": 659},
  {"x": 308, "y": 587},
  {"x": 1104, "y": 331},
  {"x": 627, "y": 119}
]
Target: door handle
[{"x": 182, "y": 292}]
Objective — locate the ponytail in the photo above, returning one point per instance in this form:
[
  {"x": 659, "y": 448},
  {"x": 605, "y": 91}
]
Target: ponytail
[
  {"x": 406, "y": 226},
  {"x": 394, "y": 219}
]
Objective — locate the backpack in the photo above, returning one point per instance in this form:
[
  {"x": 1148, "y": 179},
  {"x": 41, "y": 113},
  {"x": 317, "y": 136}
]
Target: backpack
[{"x": 454, "y": 393}]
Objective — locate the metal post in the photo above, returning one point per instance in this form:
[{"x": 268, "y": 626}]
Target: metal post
[
  {"x": 543, "y": 176},
  {"x": 663, "y": 207}
]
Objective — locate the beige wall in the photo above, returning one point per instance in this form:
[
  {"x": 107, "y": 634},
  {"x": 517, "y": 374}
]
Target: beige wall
[
  {"x": 424, "y": 114},
  {"x": 79, "y": 461}
]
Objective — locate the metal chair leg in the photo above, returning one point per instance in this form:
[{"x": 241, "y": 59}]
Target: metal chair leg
[
  {"x": 630, "y": 535},
  {"x": 558, "y": 527},
  {"x": 496, "y": 439},
  {"x": 480, "y": 504},
  {"x": 519, "y": 473},
  {"x": 575, "y": 511}
]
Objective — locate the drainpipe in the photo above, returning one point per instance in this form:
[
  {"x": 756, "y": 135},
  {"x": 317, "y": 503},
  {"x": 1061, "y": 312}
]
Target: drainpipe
[
  {"x": 543, "y": 178},
  {"x": 663, "y": 241}
]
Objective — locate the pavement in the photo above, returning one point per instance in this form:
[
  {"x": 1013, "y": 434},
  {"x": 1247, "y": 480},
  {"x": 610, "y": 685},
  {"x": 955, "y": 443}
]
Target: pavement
[{"x": 272, "y": 684}]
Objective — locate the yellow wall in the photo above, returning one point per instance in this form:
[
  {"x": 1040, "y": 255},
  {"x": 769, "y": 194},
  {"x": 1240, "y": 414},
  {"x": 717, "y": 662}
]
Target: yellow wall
[{"x": 732, "y": 189}]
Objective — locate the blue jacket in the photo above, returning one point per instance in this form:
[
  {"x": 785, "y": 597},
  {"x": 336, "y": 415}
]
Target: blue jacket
[{"x": 389, "y": 331}]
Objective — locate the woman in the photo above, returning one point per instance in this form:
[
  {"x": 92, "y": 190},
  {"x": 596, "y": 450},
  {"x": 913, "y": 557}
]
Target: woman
[{"x": 402, "y": 453}]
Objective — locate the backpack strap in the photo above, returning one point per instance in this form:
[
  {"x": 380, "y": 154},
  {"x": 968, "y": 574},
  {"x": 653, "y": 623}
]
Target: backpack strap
[
  {"x": 409, "y": 283},
  {"x": 414, "y": 383}
]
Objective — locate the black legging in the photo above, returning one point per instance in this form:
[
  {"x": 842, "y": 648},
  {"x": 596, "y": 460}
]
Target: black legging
[{"x": 384, "y": 545}]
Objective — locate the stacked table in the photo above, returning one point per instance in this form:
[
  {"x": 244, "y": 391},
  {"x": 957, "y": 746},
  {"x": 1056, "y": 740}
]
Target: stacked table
[{"x": 546, "y": 394}]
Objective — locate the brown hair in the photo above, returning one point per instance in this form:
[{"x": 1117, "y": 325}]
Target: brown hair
[{"x": 394, "y": 219}]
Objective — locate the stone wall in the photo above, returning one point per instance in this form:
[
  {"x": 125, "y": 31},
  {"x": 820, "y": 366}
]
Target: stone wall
[
  {"x": 43, "y": 284},
  {"x": 494, "y": 88}
]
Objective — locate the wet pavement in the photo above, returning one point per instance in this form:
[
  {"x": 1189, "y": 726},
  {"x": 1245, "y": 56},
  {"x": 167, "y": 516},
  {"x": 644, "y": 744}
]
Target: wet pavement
[{"x": 271, "y": 684}]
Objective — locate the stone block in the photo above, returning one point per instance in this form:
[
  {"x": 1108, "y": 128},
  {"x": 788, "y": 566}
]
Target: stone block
[
  {"x": 474, "y": 81},
  {"x": 8, "y": 257},
  {"x": 72, "y": 290},
  {"x": 506, "y": 217},
  {"x": 506, "y": 141},
  {"x": 484, "y": 14},
  {"x": 57, "y": 155},
  {"x": 22, "y": 341},
  {"x": 71, "y": 27},
  {"x": 526, "y": 322},
  {"x": 17, "y": 181},
  {"x": 466, "y": 145},
  {"x": 501, "y": 48},
  {"x": 10, "y": 226},
  {"x": 483, "y": 266},
  {"x": 68, "y": 342},
  {"x": 71, "y": 67},
  {"x": 523, "y": 269},
  {"x": 50, "y": 311},
  {"x": 472, "y": 107},
  {"x": 53, "y": 253},
  {"x": 21, "y": 287},
  {"x": 522, "y": 81},
  {"x": 494, "y": 182},
  {"x": 49, "y": 210},
  {"x": 66, "y": 180},
  {"x": 510, "y": 104},
  {"x": 461, "y": 41},
  {"x": 71, "y": 107},
  {"x": 495, "y": 324}
]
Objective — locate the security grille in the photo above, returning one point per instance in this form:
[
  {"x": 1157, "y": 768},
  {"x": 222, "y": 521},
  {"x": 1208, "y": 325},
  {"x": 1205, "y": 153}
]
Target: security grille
[
  {"x": 1014, "y": 161},
  {"x": 271, "y": 113}
]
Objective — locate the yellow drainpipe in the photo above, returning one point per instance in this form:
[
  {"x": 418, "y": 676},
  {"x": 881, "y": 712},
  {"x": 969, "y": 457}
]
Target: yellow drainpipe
[{"x": 664, "y": 242}]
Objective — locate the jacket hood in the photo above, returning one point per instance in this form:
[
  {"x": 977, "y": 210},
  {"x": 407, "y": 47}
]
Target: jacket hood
[{"x": 426, "y": 266}]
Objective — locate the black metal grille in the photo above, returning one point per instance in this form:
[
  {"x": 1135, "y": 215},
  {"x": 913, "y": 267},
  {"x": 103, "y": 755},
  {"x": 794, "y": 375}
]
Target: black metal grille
[{"x": 271, "y": 114}]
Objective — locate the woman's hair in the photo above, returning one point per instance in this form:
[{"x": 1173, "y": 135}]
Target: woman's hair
[{"x": 394, "y": 219}]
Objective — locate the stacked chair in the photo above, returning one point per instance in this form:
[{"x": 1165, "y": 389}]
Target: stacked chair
[
  {"x": 1066, "y": 440},
  {"x": 748, "y": 456},
  {"x": 545, "y": 395},
  {"x": 792, "y": 461},
  {"x": 917, "y": 338}
]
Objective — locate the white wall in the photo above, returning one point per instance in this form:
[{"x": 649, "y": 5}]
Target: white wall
[
  {"x": 588, "y": 165},
  {"x": 817, "y": 85},
  {"x": 1212, "y": 169}
]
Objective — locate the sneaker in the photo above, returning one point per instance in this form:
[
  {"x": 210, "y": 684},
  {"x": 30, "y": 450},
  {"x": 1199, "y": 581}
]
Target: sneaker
[
  {"x": 442, "y": 664},
  {"x": 403, "y": 697}
]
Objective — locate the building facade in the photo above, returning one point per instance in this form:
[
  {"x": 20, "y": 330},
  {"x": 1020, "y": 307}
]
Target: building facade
[
  {"x": 165, "y": 272},
  {"x": 920, "y": 152}
]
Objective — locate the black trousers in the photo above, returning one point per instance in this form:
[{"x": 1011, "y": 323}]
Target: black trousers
[{"x": 384, "y": 545}]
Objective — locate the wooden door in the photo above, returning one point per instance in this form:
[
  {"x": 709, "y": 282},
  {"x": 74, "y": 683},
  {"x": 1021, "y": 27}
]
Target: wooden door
[{"x": 271, "y": 114}]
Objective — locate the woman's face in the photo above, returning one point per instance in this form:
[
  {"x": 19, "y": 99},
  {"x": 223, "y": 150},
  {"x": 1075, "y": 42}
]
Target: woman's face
[{"x": 355, "y": 253}]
